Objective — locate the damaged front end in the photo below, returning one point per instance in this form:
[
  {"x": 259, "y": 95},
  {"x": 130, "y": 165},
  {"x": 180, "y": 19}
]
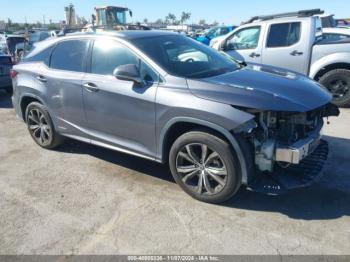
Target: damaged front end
[{"x": 288, "y": 151}]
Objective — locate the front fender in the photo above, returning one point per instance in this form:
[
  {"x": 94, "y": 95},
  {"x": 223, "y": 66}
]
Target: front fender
[
  {"x": 180, "y": 106},
  {"x": 233, "y": 141},
  {"x": 335, "y": 58}
]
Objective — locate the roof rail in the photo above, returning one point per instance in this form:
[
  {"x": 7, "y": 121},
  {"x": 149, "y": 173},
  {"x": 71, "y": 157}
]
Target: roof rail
[{"x": 301, "y": 13}]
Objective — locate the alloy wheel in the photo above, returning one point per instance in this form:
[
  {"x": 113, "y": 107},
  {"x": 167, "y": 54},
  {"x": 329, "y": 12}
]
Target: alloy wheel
[
  {"x": 39, "y": 127},
  {"x": 339, "y": 88},
  {"x": 202, "y": 169}
]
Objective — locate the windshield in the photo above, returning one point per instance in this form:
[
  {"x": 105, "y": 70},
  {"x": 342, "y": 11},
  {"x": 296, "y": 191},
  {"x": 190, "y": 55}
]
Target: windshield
[
  {"x": 112, "y": 16},
  {"x": 182, "y": 56},
  {"x": 34, "y": 37},
  {"x": 37, "y": 37},
  {"x": 212, "y": 32}
]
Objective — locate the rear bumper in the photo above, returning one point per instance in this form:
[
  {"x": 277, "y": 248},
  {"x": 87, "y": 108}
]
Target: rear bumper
[{"x": 295, "y": 176}]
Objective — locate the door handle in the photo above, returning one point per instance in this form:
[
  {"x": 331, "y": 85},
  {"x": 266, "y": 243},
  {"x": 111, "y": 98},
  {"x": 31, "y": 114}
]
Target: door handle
[
  {"x": 91, "y": 87},
  {"x": 296, "y": 53},
  {"x": 252, "y": 55},
  {"x": 41, "y": 79}
]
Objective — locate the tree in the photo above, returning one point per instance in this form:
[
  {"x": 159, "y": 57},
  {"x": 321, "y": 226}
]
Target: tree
[
  {"x": 84, "y": 21},
  {"x": 159, "y": 21},
  {"x": 170, "y": 17},
  {"x": 202, "y": 22},
  {"x": 184, "y": 17},
  {"x": 216, "y": 23},
  {"x": 9, "y": 22},
  {"x": 145, "y": 20}
]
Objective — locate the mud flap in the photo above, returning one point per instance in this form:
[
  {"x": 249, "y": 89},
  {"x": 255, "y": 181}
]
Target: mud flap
[{"x": 295, "y": 176}]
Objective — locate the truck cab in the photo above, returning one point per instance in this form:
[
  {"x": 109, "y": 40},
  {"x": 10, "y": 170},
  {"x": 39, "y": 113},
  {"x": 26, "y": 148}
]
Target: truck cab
[
  {"x": 293, "y": 41},
  {"x": 112, "y": 15}
]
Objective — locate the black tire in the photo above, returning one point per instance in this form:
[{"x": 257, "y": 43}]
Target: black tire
[
  {"x": 37, "y": 112},
  {"x": 337, "y": 82},
  {"x": 228, "y": 161}
]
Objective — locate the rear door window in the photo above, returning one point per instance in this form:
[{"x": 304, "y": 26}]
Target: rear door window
[
  {"x": 70, "y": 55},
  {"x": 284, "y": 34}
]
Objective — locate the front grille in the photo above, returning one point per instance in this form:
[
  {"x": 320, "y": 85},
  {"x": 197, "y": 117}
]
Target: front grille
[{"x": 293, "y": 127}]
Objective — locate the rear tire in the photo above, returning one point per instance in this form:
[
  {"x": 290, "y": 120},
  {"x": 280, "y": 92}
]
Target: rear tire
[
  {"x": 40, "y": 126},
  {"x": 337, "y": 82},
  {"x": 205, "y": 167}
]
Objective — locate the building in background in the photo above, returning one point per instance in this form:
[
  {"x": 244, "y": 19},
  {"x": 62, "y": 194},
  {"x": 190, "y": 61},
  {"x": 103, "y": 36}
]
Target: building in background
[{"x": 70, "y": 15}]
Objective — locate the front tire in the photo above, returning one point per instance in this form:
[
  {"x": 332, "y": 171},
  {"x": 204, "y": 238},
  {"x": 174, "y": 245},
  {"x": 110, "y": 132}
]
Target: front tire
[
  {"x": 205, "y": 167},
  {"x": 40, "y": 126},
  {"x": 337, "y": 82}
]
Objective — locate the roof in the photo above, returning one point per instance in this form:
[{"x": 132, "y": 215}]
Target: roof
[
  {"x": 136, "y": 34},
  {"x": 127, "y": 35},
  {"x": 301, "y": 13}
]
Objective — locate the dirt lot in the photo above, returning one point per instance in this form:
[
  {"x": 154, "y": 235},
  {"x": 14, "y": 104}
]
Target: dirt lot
[{"x": 86, "y": 200}]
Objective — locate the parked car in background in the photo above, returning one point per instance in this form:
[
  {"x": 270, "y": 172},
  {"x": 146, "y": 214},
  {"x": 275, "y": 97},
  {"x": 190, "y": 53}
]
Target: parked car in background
[
  {"x": 213, "y": 33},
  {"x": 165, "y": 97},
  {"x": 343, "y": 23},
  {"x": 3, "y": 45},
  {"x": 294, "y": 41},
  {"x": 11, "y": 43},
  {"x": 35, "y": 37},
  {"x": 5, "y": 67}
]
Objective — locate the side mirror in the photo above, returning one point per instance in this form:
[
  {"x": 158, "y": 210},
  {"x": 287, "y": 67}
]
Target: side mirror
[
  {"x": 129, "y": 72},
  {"x": 223, "y": 46}
]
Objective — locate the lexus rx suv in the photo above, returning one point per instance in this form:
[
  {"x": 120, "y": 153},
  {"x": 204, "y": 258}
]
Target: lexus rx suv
[{"x": 218, "y": 123}]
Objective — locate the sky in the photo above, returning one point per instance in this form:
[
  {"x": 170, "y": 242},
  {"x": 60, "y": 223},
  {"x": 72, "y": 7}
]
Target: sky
[{"x": 223, "y": 11}]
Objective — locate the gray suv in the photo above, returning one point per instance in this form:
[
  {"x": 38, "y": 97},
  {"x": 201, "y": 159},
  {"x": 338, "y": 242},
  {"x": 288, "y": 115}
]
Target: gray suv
[{"x": 218, "y": 123}]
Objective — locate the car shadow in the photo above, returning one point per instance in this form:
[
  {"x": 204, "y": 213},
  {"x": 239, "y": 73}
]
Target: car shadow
[
  {"x": 327, "y": 199},
  {"x": 138, "y": 164},
  {"x": 5, "y": 100}
]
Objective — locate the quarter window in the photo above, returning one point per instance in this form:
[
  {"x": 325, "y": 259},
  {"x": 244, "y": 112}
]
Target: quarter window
[
  {"x": 70, "y": 55},
  {"x": 247, "y": 38},
  {"x": 282, "y": 35},
  {"x": 42, "y": 56}
]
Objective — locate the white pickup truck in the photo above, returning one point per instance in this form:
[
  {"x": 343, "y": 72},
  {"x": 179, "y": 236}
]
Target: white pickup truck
[{"x": 293, "y": 41}]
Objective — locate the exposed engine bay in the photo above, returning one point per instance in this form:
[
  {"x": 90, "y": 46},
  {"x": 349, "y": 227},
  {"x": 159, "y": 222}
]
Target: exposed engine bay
[{"x": 286, "y": 138}]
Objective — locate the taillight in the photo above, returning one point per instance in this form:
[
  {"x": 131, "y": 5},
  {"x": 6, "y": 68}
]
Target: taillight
[{"x": 13, "y": 73}]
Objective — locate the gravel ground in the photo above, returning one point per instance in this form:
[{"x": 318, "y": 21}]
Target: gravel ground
[{"x": 82, "y": 199}]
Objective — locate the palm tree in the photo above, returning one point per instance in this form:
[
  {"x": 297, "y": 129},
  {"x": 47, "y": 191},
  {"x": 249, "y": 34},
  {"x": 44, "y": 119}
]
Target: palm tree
[
  {"x": 170, "y": 17},
  {"x": 184, "y": 17}
]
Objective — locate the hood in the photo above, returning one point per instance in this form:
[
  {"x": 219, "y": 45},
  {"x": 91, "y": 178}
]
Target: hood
[{"x": 264, "y": 88}]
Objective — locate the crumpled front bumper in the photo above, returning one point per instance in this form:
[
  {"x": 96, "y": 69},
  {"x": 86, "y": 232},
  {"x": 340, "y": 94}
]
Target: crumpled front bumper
[{"x": 295, "y": 176}]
